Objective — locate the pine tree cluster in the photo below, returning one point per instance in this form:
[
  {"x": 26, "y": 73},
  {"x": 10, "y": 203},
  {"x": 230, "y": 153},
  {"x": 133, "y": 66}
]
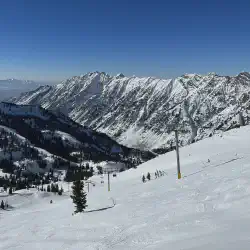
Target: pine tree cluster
[
  {"x": 26, "y": 180},
  {"x": 78, "y": 173},
  {"x": 54, "y": 188}
]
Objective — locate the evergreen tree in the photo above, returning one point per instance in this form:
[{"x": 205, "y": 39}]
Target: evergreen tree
[
  {"x": 52, "y": 172},
  {"x": 56, "y": 188},
  {"x": 18, "y": 185},
  {"x": 100, "y": 170},
  {"x": 79, "y": 196},
  {"x": 48, "y": 188},
  {"x": 2, "y": 205},
  {"x": 52, "y": 188},
  {"x": 10, "y": 190}
]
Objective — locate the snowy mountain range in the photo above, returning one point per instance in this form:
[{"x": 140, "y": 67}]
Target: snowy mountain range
[
  {"x": 14, "y": 87},
  {"x": 30, "y": 132},
  {"x": 144, "y": 112}
]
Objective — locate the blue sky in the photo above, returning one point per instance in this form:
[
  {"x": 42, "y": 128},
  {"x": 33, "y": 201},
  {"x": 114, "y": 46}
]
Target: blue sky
[{"x": 53, "y": 40}]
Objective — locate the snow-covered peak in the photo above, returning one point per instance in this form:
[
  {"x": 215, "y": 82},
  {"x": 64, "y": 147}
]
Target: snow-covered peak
[
  {"x": 98, "y": 73},
  {"x": 143, "y": 112},
  {"x": 189, "y": 75},
  {"x": 120, "y": 75}
]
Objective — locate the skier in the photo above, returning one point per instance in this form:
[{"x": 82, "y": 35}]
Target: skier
[
  {"x": 143, "y": 178},
  {"x": 148, "y": 176},
  {"x": 2, "y": 205},
  {"x": 157, "y": 172}
]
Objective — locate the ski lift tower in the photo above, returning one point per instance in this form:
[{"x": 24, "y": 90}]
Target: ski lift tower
[{"x": 177, "y": 155}]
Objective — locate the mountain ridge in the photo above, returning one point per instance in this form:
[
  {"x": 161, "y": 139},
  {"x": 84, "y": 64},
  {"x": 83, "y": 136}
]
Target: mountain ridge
[{"x": 143, "y": 112}]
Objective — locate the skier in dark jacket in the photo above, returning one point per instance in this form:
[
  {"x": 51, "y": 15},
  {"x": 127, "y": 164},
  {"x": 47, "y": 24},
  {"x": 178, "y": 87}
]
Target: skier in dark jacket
[
  {"x": 2, "y": 205},
  {"x": 148, "y": 176},
  {"x": 143, "y": 179}
]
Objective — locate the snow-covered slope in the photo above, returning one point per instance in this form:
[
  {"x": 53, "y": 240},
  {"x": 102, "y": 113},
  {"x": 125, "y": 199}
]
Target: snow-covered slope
[
  {"x": 143, "y": 112},
  {"x": 14, "y": 87},
  {"x": 207, "y": 209}
]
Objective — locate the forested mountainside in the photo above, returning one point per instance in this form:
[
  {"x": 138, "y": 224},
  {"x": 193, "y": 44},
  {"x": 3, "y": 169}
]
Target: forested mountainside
[{"x": 38, "y": 139}]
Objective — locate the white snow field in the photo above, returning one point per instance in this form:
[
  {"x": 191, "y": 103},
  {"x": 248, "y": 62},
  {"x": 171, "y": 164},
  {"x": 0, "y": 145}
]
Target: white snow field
[{"x": 209, "y": 208}]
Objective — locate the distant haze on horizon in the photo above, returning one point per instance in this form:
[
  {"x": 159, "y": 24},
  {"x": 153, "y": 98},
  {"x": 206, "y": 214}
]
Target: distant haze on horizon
[
  {"x": 54, "y": 81},
  {"x": 50, "y": 41}
]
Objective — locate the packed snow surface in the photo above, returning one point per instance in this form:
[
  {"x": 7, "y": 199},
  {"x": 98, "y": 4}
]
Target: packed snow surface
[{"x": 209, "y": 208}]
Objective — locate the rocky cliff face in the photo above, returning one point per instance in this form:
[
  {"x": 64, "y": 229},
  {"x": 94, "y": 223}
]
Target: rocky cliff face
[{"x": 144, "y": 112}]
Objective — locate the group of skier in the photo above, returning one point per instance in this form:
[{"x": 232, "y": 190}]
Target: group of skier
[
  {"x": 158, "y": 174},
  {"x": 148, "y": 177}
]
